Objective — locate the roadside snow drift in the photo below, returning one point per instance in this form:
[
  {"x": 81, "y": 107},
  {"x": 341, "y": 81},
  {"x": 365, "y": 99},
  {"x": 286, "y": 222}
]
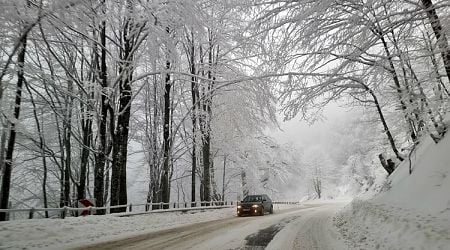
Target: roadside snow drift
[
  {"x": 75, "y": 232},
  {"x": 78, "y": 231},
  {"x": 414, "y": 212}
]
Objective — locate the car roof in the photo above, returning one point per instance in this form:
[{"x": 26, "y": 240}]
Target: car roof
[{"x": 257, "y": 195}]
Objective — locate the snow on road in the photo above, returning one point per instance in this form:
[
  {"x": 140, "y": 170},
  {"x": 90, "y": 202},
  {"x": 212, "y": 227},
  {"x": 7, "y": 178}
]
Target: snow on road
[
  {"x": 312, "y": 229},
  {"x": 82, "y": 231},
  {"x": 73, "y": 232},
  {"x": 305, "y": 227}
]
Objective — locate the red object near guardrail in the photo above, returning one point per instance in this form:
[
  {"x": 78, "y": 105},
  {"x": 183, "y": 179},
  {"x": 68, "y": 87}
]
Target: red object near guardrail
[{"x": 86, "y": 203}]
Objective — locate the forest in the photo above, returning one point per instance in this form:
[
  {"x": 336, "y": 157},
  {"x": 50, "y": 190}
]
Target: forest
[{"x": 94, "y": 91}]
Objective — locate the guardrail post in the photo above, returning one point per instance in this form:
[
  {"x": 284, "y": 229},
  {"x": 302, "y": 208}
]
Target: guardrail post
[
  {"x": 174, "y": 205},
  {"x": 90, "y": 210},
  {"x": 30, "y": 215},
  {"x": 130, "y": 208},
  {"x": 160, "y": 205},
  {"x": 64, "y": 213}
]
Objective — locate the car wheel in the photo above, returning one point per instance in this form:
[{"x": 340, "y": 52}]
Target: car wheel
[
  {"x": 271, "y": 210},
  {"x": 262, "y": 211}
]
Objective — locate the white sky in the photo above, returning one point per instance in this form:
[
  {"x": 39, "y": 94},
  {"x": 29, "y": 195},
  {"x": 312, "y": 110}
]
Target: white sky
[{"x": 298, "y": 133}]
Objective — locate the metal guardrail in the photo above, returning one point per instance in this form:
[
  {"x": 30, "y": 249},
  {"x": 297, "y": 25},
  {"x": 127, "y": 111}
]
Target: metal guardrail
[
  {"x": 147, "y": 207},
  {"x": 65, "y": 211},
  {"x": 286, "y": 202}
]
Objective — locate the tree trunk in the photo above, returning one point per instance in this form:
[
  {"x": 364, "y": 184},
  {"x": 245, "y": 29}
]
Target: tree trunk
[
  {"x": 194, "y": 93},
  {"x": 87, "y": 137},
  {"x": 3, "y": 146},
  {"x": 165, "y": 192},
  {"x": 106, "y": 186},
  {"x": 245, "y": 190},
  {"x": 223, "y": 177},
  {"x": 148, "y": 140},
  {"x": 215, "y": 195},
  {"x": 120, "y": 145},
  {"x": 409, "y": 89},
  {"x": 433, "y": 59},
  {"x": 206, "y": 151},
  {"x": 42, "y": 150},
  {"x": 385, "y": 126},
  {"x": 120, "y": 139},
  {"x": 398, "y": 87},
  {"x": 440, "y": 128},
  {"x": 441, "y": 38},
  {"x": 62, "y": 163},
  {"x": 67, "y": 170},
  {"x": 67, "y": 142},
  {"x": 100, "y": 155},
  {"x": 155, "y": 166},
  {"x": 206, "y": 133},
  {"x": 120, "y": 150},
  {"x": 6, "y": 180}
]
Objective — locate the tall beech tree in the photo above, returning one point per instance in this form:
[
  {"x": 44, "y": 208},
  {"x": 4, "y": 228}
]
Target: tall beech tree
[
  {"x": 7, "y": 165},
  {"x": 102, "y": 150},
  {"x": 441, "y": 37},
  {"x": 130, "y": 41}
]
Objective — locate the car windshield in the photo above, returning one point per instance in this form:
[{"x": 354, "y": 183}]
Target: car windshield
[{"x": 253, "y": 198}]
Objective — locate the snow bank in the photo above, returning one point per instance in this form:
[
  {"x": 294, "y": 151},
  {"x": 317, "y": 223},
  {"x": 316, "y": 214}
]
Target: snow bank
[
  {"x": 76, "y": 231},
  {"x": 414, "y": 210},
  {"x": 368, "y": 225},
  {"x": 427, "y": 188}
]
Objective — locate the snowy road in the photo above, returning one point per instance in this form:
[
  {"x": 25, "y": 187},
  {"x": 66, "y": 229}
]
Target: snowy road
[{"x": 306, "y": 227}]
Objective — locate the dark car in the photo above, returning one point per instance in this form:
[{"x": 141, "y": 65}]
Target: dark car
[{"x": 255, "y": 205}]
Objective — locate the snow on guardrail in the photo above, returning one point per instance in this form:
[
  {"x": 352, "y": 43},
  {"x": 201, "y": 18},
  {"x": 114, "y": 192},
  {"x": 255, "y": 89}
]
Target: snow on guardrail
[
  {"x": 133, "y": 209},
  {"x": 128, "y": 208}
]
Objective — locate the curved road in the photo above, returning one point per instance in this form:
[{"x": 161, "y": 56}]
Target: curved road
[{"x": 306, "y": 227}]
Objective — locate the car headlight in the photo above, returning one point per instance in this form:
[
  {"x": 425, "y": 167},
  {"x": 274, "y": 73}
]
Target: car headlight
[
  {"x": 255, "y": 206},
  {"x": 239, "y": 206}
]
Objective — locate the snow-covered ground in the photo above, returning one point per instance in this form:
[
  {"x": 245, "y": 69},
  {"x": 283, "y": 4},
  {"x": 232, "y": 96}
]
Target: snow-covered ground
[
  {"x": 58, "y": 233},
  {"x": 413, "y": 211},
  {"x": 307, "y": 226},
  {"x": 73, "y": 232}
]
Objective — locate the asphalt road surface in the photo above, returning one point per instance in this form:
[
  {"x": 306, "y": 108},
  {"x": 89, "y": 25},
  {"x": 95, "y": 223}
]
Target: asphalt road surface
[{"x": 306, "y": 227}]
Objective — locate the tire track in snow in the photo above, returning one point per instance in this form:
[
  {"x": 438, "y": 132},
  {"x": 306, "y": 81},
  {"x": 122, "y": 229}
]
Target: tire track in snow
[{"x": 263, "y": 237}]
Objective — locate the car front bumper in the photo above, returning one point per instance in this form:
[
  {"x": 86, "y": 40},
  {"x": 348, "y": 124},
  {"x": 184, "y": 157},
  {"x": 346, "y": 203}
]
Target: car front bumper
[{"x": 249, "y": 210}]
